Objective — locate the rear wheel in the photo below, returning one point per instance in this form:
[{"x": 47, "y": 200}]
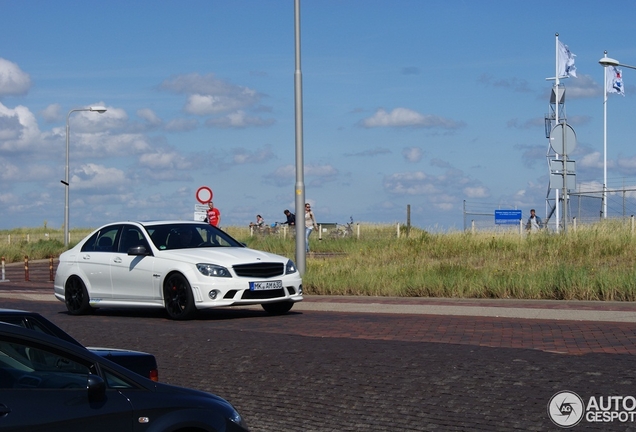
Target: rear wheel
[
  {"x": 76, "y": 296},
  {"x": 277, "y": 308},
  {"x": 178, "y": 297}
]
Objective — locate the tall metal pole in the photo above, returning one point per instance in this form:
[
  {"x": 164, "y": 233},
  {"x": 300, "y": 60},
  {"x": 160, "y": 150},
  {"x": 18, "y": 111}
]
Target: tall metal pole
[
  {"x": 100, "y": 110},
  {"x": 565, "y": 179},
  {"x": 605, "y": 141},
  {"x": 556, "y": 121},
  {"x": 66, "y": 185},
  {"x": 300, "y": 174}
]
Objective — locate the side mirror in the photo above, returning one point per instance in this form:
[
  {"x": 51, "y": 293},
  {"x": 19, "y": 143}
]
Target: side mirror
[
  {"x": 138, "y": 250},
  {"x": 96, "y": 388}
]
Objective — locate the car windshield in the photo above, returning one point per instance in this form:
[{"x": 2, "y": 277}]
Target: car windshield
[{"x": 187, "y": 235}]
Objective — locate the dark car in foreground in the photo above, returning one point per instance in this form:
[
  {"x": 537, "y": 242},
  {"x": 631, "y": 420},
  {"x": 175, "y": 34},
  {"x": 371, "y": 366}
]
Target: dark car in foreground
[
  {"x": 140, "y": 362},
  {"x": 48, "y": 384}
]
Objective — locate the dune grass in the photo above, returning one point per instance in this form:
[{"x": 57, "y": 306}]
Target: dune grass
[{"x": 595, "y": 262}]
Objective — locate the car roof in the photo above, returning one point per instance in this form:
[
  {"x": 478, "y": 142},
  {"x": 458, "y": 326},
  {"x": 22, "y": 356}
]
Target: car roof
[
  {"x": 158, "y": 222},
  {"x": 11, "y": 330}
]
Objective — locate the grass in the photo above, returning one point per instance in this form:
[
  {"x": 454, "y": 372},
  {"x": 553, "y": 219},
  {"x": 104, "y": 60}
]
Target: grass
[{"x": 595, "y": 262}]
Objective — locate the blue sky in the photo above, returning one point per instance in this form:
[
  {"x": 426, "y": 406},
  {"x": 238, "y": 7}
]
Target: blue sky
[{"x": 416, "y": 103}]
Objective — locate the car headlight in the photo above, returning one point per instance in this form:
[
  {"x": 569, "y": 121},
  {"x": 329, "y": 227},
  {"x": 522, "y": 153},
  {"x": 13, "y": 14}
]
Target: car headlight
[
  {"x": 213, "y": 270},
  {"x": 290, "y": 267}
]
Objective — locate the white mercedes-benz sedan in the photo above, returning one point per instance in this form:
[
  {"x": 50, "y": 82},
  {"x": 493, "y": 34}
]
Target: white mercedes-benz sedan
[{"x": 177, "y": 265}]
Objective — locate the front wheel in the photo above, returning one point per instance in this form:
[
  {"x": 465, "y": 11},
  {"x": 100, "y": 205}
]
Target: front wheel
[
  {"x": 76, "y": 296},
  {"x": 178, "y": 297},
  {"x": 279, "y": 308}
]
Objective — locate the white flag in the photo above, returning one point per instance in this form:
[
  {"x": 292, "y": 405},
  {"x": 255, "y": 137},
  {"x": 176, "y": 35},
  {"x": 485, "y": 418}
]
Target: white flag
[
  {"x": 614, "y": 82},
  {"x": 566, "y": 62}
]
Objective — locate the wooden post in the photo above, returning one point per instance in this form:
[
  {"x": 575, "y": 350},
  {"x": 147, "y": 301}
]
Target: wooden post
[
  {"x": 51, "y": 278},
  {"x": 26, "y": 268}
]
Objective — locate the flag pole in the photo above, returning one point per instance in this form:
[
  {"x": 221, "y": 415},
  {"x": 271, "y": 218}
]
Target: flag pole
[
  {"x": 605, "y": 141},
  {"x": 556, "y": 119}
]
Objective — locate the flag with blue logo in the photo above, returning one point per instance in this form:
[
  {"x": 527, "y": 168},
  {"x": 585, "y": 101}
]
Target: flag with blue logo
[
  {"x": 566, "y": 62},
  {"x": 614, "y": 81}
]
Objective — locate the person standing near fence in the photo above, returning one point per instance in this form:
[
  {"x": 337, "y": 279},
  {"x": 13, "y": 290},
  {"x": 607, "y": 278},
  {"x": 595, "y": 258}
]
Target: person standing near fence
[
  {"x": 310, "y": 224},
  {"x": 534, "y": 222}
]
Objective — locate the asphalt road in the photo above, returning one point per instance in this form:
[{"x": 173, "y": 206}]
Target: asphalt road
[{"x": 340, "y": 370}]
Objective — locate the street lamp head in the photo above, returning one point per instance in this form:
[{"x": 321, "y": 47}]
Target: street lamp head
[
  {"x": 99, "y": 109},
  {"x": 608, "y": 61}
]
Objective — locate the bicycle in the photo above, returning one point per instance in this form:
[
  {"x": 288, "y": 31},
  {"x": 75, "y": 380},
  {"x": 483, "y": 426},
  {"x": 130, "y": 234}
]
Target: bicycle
[{"x": 342, "y": 231}]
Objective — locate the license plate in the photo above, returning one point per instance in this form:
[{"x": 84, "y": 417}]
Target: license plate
[{"x": 269, "y": 285}]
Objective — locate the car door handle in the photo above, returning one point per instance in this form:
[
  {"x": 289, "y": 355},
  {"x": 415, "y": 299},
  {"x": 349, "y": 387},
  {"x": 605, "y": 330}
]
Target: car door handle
[
  {"x": 86, "y": 257},
  {"x": 117, "y": 260},
  {"x": 4, "y": 410}
]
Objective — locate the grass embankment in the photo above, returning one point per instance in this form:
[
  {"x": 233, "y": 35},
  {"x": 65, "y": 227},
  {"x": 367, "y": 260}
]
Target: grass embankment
[{"x": 593, "y": 263}]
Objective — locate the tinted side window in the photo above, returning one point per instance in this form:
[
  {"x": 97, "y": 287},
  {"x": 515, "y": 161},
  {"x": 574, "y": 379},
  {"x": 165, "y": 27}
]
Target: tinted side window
[
  {"x": 25, "y": 366},
  {"x": 103, "y": 240},
  {"x": 131, "y": 236}
]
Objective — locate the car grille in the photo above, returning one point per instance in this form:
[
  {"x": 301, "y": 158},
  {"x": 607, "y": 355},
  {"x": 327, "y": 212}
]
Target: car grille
[{"x": 259, "y": 270}]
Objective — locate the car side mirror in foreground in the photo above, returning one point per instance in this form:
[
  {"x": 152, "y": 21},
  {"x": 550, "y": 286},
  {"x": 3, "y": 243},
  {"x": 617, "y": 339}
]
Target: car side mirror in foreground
[{"x": 96, "y": 388}]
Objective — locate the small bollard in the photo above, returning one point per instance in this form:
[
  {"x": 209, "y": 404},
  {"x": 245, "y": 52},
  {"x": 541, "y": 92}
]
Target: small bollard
[
  {"x": 26, "y": 268},
  {"x": 51, "y": 269}
]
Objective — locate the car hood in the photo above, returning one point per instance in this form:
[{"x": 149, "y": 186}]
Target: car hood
[{"x": 221, "y": 255}]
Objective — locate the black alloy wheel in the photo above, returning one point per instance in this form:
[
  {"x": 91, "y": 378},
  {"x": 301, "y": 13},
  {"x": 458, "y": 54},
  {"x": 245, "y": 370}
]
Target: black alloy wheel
[
  {"x": 76, "y": 296},
  {"x": 178, "y": 297}
]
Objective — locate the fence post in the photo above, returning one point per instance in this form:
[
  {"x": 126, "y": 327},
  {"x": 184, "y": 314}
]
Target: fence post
[
  {"x": 632, "y": 218},
  {"x": 574, "y": 223},
  {"x": 26, "y": 268},
  {"x": 398, "y": 230},
  {"x": 472, "y": 226},
  {"x": 3, "y": 272},
  {"x": 320, "y": 232},
  {"x": 358, "y": 230},
  {"x": 51, "y": 278}
]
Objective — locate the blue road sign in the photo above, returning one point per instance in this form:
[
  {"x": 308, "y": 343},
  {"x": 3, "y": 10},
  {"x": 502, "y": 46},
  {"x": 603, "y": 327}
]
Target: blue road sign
[{"x": 507, "y": 217}]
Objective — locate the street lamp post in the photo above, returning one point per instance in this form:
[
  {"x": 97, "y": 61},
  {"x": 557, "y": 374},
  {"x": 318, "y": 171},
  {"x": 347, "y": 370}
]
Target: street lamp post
[
  {"x": 100, "y": 110},
  {"x": 606, "y": 62}
]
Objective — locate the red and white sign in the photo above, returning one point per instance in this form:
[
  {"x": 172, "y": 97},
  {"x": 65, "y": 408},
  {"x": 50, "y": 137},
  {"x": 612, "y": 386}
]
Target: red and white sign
[{"x": 204, "y": 195}]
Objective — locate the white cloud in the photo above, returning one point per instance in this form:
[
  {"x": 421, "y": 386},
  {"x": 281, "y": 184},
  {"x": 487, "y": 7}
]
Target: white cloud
[
  {"x": 410, "y": 183},
  {"x": 404, "y": 117},
  {"x": 241, "y": 156},
  {"x": 150, "y": 116},
  {"x": 13, "y": 81},
  {"x": 19, "y": 130},
  {"x": 238, "y": 119},
  {"x": 476, "y": 192},
  {"x": 316, "y": 174},
  {"x": 181, "y": 125},
  {"x": 97, "y": 145},
  {"x": 590, "y": 160},
  {"x": 52, "y": 113},
  {"x": 210, "y": 95},
  {"x": 412, "y": 154},
  {"x": 164, "y": 160},
  {"x": 98, "y": 177}
]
